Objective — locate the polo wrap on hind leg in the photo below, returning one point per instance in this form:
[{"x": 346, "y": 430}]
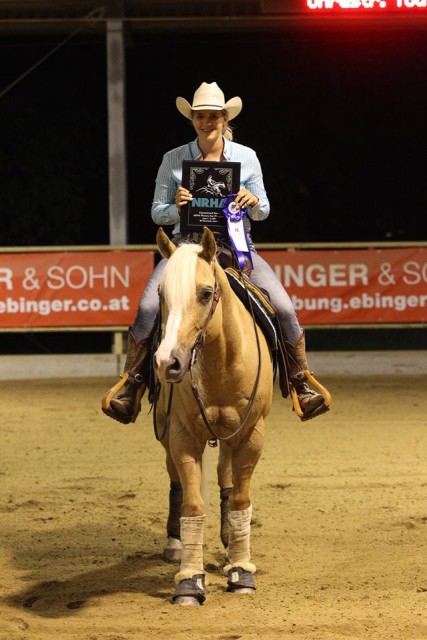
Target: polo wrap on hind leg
[
  {"x": 192, "y": 547},
  {"x": 224, "y": 496},
  {"x": 239, "y": 546},
  {"x": 175, "y": 503}
]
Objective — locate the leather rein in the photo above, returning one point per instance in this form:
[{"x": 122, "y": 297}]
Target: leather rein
[{"x": 194, "y": 352}]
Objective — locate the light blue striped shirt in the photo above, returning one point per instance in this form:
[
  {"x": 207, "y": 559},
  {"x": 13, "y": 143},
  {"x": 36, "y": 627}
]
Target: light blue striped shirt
[{"x": 169, "y": 178}]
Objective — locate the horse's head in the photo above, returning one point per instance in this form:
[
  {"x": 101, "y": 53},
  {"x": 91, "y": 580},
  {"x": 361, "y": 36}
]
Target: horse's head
[{"x": 188, "y": 294}]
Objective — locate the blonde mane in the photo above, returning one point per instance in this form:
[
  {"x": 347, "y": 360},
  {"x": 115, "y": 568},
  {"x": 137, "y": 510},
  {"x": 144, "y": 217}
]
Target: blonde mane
[{"x": 178, "y": 281}]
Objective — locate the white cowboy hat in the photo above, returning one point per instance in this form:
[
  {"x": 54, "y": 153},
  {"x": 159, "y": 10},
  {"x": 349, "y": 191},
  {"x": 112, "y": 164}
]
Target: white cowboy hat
[{"x": 211, "y": 98}]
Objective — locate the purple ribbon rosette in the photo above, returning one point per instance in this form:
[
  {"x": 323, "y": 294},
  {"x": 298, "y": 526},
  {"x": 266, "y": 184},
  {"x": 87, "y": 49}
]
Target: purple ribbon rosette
[{"x": 236, "y": 229}]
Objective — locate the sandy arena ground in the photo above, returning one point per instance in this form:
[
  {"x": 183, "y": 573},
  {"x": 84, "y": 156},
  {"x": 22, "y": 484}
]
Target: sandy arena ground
[{"x": 339, "y": 531}]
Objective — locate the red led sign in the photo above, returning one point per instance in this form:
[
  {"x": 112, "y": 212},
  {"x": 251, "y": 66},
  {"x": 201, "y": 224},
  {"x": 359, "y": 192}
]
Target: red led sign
[{"x": 366, "y": 4}]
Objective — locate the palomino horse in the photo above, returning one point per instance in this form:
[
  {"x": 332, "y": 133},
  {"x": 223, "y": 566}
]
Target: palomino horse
[{"x": 211, "y": 346}]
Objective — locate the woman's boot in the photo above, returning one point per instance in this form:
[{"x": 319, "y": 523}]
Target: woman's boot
[
  {"x": 307, "y": 403},
  {"x": 123, "y": 401}
]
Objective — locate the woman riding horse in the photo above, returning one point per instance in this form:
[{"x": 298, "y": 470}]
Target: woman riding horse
[{"x": 210, "y": 116}]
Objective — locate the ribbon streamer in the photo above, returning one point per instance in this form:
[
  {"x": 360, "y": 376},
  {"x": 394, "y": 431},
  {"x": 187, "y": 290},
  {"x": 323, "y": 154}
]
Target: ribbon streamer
[{"x": 236, "y": 229}]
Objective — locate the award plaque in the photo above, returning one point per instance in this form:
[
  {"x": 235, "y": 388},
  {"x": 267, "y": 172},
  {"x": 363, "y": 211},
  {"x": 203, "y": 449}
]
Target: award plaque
[{"x": 209, "y": 183}]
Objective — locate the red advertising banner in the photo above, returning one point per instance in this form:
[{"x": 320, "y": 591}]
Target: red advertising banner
[
  {"x": 354, "y": 286},
  {"x": 72, "y": 289},
  {"x": 102, "y": 288}
]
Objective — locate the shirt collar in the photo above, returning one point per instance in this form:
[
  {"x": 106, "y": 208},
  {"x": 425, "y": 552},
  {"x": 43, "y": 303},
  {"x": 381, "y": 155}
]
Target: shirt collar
[{"x": 197, "y": 155}]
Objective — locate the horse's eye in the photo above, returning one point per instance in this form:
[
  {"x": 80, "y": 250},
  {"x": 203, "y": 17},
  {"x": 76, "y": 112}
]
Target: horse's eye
[{"x": 205, "y": 295}]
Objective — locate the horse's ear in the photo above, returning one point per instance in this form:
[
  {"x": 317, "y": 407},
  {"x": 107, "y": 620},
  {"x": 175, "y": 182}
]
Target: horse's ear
[
  {"x": 209, "y": 245},
  {"x": 166, "y": 246}
]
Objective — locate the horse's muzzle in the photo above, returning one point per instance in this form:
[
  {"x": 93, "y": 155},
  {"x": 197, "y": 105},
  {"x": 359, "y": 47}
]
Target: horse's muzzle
[{"x": 171, "y": 368}]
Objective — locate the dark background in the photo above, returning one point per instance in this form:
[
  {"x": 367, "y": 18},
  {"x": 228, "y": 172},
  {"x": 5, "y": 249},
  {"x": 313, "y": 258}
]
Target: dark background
[{"x": 338, "y": 120}]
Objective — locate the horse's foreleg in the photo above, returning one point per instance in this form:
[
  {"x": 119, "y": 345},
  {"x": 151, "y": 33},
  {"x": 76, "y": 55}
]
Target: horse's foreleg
[
  {"x": 190, "y": 580},
  {"x": 240, "y": 569}
]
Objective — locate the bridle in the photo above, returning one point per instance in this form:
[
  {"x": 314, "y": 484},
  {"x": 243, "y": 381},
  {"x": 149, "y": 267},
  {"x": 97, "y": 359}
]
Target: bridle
[
  {"x": 202, "y": 333},
  {"x": 200, "y": 339}
]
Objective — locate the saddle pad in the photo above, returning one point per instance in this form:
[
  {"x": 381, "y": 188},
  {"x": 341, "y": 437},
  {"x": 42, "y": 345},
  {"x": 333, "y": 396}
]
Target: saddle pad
[{"x": 264, "y": 313}]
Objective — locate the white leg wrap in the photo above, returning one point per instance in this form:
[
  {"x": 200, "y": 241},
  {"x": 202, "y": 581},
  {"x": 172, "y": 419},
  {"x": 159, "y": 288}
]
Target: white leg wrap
[
  {"x": 239, "y": 547},
  {"x": 192, "y": 547}
]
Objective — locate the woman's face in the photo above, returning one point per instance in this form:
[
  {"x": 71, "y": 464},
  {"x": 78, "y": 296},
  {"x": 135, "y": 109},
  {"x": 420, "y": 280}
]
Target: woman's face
[{"x": 209, "y": 125}]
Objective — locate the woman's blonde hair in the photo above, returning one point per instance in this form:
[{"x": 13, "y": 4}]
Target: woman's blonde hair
[{"x": 228, "y": 129}]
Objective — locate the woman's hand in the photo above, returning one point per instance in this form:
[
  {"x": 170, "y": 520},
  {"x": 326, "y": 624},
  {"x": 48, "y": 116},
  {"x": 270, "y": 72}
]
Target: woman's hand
[
  {"x": 182, "y": 197},
  {"x": 246, "y": 199}
]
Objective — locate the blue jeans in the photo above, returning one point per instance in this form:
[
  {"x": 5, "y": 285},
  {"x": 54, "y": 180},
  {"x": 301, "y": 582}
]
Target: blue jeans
[{"x": 262, "y": 275}]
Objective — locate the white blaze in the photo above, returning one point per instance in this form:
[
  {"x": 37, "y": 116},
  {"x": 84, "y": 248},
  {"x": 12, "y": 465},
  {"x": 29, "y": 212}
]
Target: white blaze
[
  {"x": 171, "y": 336},
  {"x": 179, "y": 288}
]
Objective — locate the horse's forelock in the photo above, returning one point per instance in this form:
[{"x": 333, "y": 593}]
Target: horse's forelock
[{"x": 178, "y": 283}]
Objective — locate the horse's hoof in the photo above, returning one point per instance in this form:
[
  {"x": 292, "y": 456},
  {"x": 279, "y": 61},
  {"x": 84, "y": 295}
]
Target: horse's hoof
[
  {"x": 172, "y": 555},
  {"x": 173, "y": 550},
  {"x": 186, "y": 601},
  {"x": 191, "y": 591},
  {"x": 240, "y": 581},
  {"x": 243, "y": 590}
]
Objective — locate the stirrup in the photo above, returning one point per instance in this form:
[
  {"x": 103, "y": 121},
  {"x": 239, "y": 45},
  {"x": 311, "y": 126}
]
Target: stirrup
[
  {"x": 318, "y": 410},
  {"x": 116, "y": 415}
]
